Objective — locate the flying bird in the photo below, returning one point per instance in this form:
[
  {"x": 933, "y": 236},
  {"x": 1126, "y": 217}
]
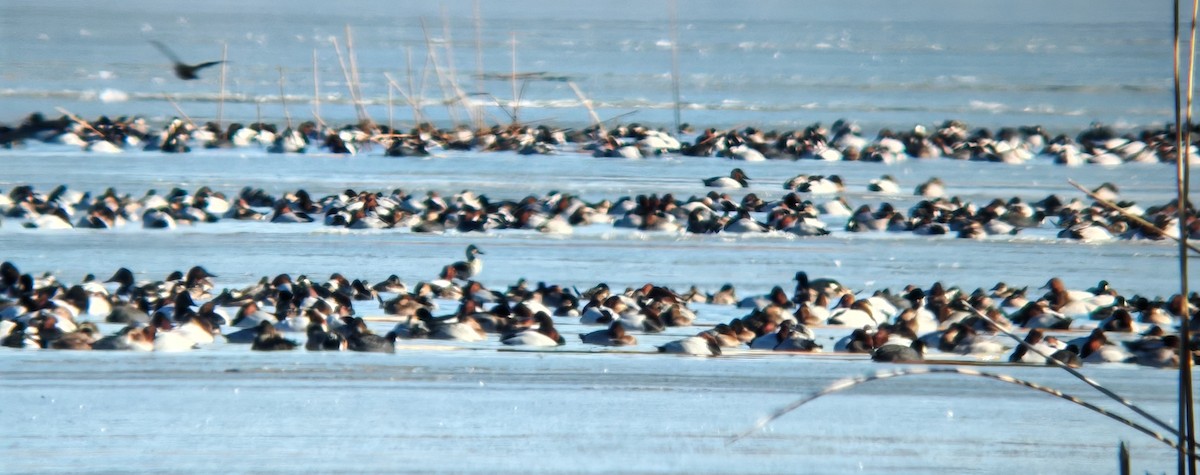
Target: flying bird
[{"x": 183, "y": 71}]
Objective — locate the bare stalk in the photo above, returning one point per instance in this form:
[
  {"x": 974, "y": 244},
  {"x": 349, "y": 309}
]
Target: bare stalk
[
  {"x": 283, "y": 100},
  {"x": 349, "y": 81},
  {"x": 1080, "y": 376},
  {"x": 587, "y": 103},
  {"x": 356, "y": 84},
  {"x": 849, "y": 383},
  {"x": 478, "y": 48},
  {"x": 675, "y": 60},
  {"x": 1132, "y": 217},
  {"x": 179, "y": 109},
  {"x": 316, "y": 91},
  {"x": 84, "y": 123},
  {"x": 1183, "y": 159},
  {"x": 414, "y": 103},
  {"x": 516, "y": 97},
  {"x": 437, "y": 69},
  {"x": 221, "y": 93}
]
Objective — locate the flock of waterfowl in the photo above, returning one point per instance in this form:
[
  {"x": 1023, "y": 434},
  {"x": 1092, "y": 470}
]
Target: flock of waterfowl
[
  {"x": 810, "y": 207},
  {"x": 843, "y": 140},
  {"x": 186, "y": 311}
]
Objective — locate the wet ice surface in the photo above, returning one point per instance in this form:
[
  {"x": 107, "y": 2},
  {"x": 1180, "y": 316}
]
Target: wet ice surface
[
  {"x": 480, "y": 408},
  {"x": 502, "y": 412},
  {"x": 1061, "y": 64}
]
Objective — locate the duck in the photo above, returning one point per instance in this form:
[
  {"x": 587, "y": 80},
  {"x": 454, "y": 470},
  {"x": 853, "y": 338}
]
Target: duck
[
  {"x": 726, "y": 295},
  {"x": 1163, "y": 354},
  {"x": 451, "y": 327},
  {"x": 269, "y": 339},
  {"x": 854, "y": 313},
  {"x": 470, "y": 268},
  {"x": 932, "y": 188},
  {"x": 614, "y": 335},
  {"x": 544, "y": 335},
  {"x": 1096, "y": 348},
  {"x": 80, "y": 339},
  {"x": 158, "y": 219},
  {"x": 321, "y": 339},
  {"x": 791, "y": 337},
  {"x": 361, "y": 339},
  {"x": 193, "y": 333},
  {"x": 1039, "y": 315},
  {"x": 820, "y": 185},
  {"x": 736, "y": 179},
  {"x": 703, "y": 344},
  {"x": 896, "y": 353},
  {"x": 1036, "y": 339},
  {"x": 133, "y": 337},
  {"x": 884, "y": 184},
  {"x": 392, "y": 284}
]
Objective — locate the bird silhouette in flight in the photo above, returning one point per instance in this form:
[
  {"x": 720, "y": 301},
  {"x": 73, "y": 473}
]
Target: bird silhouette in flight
[{"x": 185, "y": 72}]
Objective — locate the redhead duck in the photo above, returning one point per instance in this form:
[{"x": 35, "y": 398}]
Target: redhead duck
[{"x": 614, "y": 335}]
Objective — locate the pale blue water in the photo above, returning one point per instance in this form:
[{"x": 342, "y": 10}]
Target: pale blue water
[{"x": 1062, "y": 64}]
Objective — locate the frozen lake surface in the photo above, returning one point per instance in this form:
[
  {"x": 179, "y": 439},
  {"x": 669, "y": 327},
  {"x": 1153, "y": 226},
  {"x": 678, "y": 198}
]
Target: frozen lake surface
[
  {"x": 449, "y": 408},
  {"x": 508, "y": 412}
]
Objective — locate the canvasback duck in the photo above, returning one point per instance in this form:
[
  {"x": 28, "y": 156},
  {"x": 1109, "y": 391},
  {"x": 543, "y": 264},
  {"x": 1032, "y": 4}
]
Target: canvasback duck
[
  {"x": 133, "y": 337},
  {"x": 854, "y": 313},
  {"x": 820, "y": 185},
  {"x": 736, "y": 179},
  {"x": 545, "y": 335},
  {"x": 451, "y": 327},
  {"x": 700, "y": 345},
  {"x": 789, "y": 337},
  {"x": 725, "y": 335},
  {"x": 1096, "y": 348}
]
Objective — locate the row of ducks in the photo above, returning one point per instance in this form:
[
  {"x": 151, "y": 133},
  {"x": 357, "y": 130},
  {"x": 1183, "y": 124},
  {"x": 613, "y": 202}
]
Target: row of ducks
[
  {"x": 952, "y": 139},
  {"x": 559, "y": 213},
  {"x": 181, "y": 313},
  {"x": 843, "y": 140}
]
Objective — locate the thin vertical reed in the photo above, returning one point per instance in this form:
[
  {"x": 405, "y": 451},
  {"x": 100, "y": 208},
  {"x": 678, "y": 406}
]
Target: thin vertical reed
[{"x": 221, "y": 93}]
